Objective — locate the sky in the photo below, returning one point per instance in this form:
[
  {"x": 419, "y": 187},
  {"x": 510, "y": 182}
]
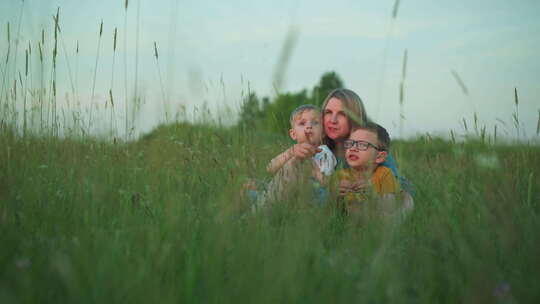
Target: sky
[{"x": 210, "y": 54}]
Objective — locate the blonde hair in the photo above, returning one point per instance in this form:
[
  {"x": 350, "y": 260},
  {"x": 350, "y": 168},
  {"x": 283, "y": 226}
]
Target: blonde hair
[
  {"x": 301, "y": 109},
  {"x": 354, "y": 109}
]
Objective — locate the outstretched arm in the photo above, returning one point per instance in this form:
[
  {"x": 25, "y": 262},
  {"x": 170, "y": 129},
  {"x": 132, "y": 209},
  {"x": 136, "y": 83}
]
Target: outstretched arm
[
  {"x": 295, "y": 153},
  {"x": 277, "y": 162}
]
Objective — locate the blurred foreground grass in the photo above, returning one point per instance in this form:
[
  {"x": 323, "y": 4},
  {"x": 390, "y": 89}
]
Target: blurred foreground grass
[{"x": 161, "y": 220}]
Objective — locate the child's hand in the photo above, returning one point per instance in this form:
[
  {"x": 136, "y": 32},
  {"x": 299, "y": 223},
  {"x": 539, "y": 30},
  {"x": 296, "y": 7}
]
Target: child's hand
[
  {"x": 304, "y": 150},
  {"x": 346, "y": 186}
]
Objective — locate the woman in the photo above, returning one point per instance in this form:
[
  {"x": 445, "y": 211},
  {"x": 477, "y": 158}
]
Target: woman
[{"x": 342, "y": 109}]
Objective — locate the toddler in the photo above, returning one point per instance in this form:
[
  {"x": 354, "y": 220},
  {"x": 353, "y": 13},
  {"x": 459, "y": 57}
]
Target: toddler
[
  {"x": 366, "y": 149},
  {"x": 308, "y": 153}
]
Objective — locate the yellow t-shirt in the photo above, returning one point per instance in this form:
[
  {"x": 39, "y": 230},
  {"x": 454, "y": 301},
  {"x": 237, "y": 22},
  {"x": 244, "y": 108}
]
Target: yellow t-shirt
[{"x": 382, "y": 180}]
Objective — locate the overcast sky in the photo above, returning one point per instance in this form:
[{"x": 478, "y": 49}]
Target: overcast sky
[{"x": 215, "y": 51}]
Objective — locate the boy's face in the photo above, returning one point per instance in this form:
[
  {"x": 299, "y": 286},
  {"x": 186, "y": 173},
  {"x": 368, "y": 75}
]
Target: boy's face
[
  {"x": 368, "y": 159},
  {"x": 307, "y": 128}
]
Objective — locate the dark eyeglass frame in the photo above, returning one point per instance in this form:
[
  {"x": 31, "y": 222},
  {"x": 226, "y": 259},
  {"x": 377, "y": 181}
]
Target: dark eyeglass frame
[{"x": 360, "y": 145}]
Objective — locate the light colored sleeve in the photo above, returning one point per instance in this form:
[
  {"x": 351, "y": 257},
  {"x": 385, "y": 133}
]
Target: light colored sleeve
[{"x": 325, "y": 160}]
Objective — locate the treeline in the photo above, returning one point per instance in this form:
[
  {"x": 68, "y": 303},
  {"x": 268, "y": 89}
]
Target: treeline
[{"x": 273, "y": 115}]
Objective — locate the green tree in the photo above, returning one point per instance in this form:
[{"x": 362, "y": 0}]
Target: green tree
[
  {"x": 329, "y": 81},
  {"x": 277, "y": 113},
  {"x": 250, "y": 111}
]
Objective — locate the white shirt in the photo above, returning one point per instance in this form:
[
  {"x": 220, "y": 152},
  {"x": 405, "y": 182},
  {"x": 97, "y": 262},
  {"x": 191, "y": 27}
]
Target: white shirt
[{"x": 325, "y": 160}]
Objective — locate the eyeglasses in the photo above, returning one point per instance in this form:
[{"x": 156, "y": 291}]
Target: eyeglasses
[{"x": 360, "y": 145}]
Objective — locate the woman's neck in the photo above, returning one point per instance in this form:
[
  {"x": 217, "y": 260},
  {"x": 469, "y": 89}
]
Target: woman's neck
[{"x": 339, "y": 150}]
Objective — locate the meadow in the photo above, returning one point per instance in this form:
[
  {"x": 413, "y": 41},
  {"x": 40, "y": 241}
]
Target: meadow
[{"x": 161, "y": 218}]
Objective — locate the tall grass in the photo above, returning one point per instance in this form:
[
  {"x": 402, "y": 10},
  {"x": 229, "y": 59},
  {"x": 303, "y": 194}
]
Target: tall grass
[{"x": 162, "y": 219}]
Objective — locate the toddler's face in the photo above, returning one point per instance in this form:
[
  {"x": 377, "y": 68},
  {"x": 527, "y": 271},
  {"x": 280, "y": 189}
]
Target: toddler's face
[
  {"x": 307, "y": 128},
  {"x": 363, "y": 160}
]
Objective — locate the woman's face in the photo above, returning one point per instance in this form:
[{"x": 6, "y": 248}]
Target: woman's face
[{"x": 336, "y": 123}]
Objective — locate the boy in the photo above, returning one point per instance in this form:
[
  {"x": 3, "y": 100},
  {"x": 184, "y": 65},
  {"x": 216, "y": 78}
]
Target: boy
[
  {"x": 306, "y": 130},
  {"x": 367, "y": 148},
  {"x": 306, "y": 154}
]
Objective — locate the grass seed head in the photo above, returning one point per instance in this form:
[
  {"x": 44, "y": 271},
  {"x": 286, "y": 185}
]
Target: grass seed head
[
  {"x": 114, "y": 43},
  {"x": 26, "y": 64},
  {"x": 110, "y": 95},
  {"x": 40, "y": 53},
  {"x": 404, "y": 67}
]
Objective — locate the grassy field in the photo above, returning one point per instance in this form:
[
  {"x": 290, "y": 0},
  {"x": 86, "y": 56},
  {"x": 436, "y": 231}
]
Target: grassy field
[{"x": 160, "y": 220}]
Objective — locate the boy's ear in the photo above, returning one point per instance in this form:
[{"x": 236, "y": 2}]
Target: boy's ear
[
  {"x": 292, "y": 134},
  {"x": 381, "y": 157}
]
